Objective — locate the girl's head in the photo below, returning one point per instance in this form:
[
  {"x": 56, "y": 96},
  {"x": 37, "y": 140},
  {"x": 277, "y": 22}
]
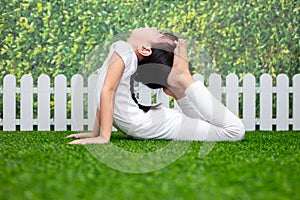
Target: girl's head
[
  {"x": 155, "y": 52},
  {"x": 143, "y": 39}
]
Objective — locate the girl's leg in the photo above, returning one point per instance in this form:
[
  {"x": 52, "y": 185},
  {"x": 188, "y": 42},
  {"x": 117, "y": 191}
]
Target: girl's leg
[
  {"x": 214, "y": 120},
  {"x": 188, "y": 108}
]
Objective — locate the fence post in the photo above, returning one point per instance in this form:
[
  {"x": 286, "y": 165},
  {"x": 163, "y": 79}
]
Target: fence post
[
  {"x": 60, "y": 103},
  {"x": 77, "y": 103},
  {"x": 249, "y": 102},
  {"x": 296, "y": 102},
  {"x": 198, "y": 77},
  {"x": 163, "y": 98},
  {"x": 232, "y": 93},
  {"x": 215, "y": 86},
  {"x": 92, "y": 100},
  {"x": 43, "y": 117},
  {"x": 282, "y": 102},
  {"x": 265, "y": 99},
  {"x": 144, "y": 94},
  {"x": 26, "y": 117},
  {"x": 9, "y": 103}
]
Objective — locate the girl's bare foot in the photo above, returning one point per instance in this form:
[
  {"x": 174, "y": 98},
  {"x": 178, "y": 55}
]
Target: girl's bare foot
[{"x": 180, "y": 78}]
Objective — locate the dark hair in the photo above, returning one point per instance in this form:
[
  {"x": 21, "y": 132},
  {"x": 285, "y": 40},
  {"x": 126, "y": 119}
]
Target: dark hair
[{"x": 153, "y": 70}]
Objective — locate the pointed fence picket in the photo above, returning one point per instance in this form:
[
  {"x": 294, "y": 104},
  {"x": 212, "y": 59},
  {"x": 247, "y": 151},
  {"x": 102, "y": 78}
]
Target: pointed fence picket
[
  {"x": 249, "y": 102},
  {"x": 265, "y": 114},
  {"x": 43, "y": 90},
  {"x": 198, "y": 77},
  {"x": 163, "y": 98},
  {"x": 9, "y": 103},
  {"x": 83, "y": 101},
  {"x": 296, "y": 102},
  {"x": 26, "y": 116},
  {"x": 77, "y": 103},
  {"x": 215, "y": 86},
  {"x": 232, "y": 93},
  {"x": 92, "y": 101},
  {"x": 60, "y": 103},
  {"x": 282, "y": 99},
  {"x": 144, "y": 94}
]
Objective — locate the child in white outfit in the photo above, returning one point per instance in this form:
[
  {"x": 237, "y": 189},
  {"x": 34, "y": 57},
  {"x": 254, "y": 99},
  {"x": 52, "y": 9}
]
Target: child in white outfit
[{"x": 203, "y": 117}]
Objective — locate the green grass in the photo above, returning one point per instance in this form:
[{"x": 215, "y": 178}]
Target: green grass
[{"x": 40, "y": 165}]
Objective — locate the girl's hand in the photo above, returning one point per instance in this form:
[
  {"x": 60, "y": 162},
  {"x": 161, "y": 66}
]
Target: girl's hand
[
  {"x": 180, "y": 70},
  {"x": 180, "y": 77},
  {"x": 180, "y": 62},
  {"x": 94, "y": 140},
  {"x": 82, "y": 135}
]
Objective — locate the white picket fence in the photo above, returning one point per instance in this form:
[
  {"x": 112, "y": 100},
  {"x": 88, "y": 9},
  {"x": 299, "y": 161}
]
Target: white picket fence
[{"x": 83, "y": 101}]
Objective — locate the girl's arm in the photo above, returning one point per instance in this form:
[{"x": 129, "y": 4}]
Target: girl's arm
[{"x": 113, "y": 77}]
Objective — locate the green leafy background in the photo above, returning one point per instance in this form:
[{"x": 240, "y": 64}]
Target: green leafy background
[{"x": 55, "y": 37}]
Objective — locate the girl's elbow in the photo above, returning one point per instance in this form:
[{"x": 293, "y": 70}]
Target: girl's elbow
[{"x": 107, "y": 91}]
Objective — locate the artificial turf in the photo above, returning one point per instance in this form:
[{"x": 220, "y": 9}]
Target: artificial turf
[{"x": 41, "y": 165}]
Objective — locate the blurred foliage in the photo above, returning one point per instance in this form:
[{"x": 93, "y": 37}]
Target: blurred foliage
[{"x": 55, "y": 37}]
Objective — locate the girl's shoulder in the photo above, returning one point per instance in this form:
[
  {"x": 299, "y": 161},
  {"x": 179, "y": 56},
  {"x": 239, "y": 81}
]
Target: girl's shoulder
[
  {"x": 125, "y": 51},
  {"x": 122, "y": 47}
]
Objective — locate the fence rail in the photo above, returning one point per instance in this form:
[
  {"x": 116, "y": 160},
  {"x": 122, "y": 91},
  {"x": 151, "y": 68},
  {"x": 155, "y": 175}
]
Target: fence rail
[{"x": 256, "y": 105}]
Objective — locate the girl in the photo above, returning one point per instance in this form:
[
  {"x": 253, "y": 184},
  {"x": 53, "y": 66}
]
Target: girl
[{"x": 203, "y": 117}]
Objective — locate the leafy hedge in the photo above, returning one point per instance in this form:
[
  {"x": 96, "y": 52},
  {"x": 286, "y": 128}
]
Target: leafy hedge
[{"x": 37, "y": 36}]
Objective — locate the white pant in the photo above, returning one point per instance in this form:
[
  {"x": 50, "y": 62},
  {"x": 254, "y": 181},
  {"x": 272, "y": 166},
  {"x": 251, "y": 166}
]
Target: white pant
[{"x": 203, "y": 118}]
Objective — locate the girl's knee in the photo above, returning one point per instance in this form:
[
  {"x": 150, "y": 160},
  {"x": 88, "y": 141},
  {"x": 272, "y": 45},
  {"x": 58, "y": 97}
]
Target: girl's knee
[{"x": 238, "y": 131}]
